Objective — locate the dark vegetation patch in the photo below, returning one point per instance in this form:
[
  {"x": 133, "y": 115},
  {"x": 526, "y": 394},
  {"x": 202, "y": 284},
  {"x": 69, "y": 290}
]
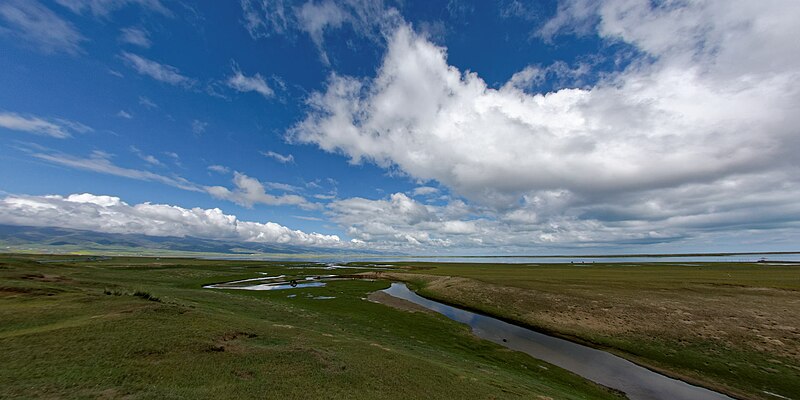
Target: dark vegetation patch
[
  {"x": 44, "y": 278},
  {"x": 236, "y": 335},
  {"x": 27, "y": 291},
  {"x": 138, "y": 293},
  {"x": 146, "y": 296},
  {"x": 230, "y": 341}
]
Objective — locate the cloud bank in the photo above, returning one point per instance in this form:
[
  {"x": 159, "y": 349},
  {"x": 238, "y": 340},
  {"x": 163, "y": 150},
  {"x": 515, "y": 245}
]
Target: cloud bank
[{"x": 112, "y": 215}]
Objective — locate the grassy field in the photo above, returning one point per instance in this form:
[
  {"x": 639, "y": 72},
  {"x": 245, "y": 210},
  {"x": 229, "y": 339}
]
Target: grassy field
[
  {"x": 731, "y": 327},
  {"x": 143, "y": 328}
]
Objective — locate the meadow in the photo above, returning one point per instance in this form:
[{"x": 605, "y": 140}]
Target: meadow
[
  {"x": 135, "y": 327},
  {"x": 144, "y": 328}
]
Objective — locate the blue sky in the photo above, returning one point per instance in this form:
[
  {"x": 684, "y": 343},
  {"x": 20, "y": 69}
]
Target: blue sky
[{"x": 422, "y": 127}]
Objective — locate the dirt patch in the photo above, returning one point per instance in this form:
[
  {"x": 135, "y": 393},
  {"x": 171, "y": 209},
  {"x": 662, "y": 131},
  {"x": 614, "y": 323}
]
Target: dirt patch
[
  {"x": 236, "y": 335},
  {"x": 230, "y": 342},
  {"x": 394, "y": 302},
  {"x": 244, "y": 375}
]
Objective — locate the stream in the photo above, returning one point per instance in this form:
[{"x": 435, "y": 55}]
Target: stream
[{"x": 615, "y": 372}]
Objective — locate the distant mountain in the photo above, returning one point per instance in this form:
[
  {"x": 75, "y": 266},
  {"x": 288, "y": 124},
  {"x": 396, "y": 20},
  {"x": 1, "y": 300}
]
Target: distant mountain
[{"x": 61, "y": 240}]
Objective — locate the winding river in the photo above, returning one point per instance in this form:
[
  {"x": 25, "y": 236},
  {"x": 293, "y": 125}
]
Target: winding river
[{"x": 637, "y": 382}]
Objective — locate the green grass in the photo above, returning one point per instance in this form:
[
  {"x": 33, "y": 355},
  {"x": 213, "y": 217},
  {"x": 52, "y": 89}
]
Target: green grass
[
  {"x": 732, "y": 327},
  {"x": 144, "y": 328}
]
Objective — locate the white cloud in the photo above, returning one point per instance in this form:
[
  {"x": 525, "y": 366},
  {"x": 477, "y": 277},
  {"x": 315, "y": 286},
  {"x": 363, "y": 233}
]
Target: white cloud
[
  {"x": 176, "y": 159},
  {"x": 571, "y": 16},
  {"x": 220, "y": 169},
  {"x": 681, "y": 219},
  {"x": 243, "y": 83},
  {"x": 424, "y": 191},
  {"x": 57, "y": 128},
  {"x": 100, "y": 162},
  {"x": 112, "y": 215},
  {"x": 315, "y": 18},
  {"x": 135, "y": 36},
  {"x": 160, "y": 72},
  {"x": 147, "y": 103},
  {"x": 103, "y": 8},
  {"x": 198, "y": 126},
  {"x": 370, "y": 19},
  {"x": 700, "y": 110},
  {"x": 264, "y": 17},
  {"x": 518, "y": 9},
  {"x": 124, "y": 114},
  {"x": 148, "y": 158},
  {"x": 249, "y": 191},
  {"x": 36, "y": 24},
  {"x": 281, "y": 158},
  {"x": 398, "y": 222}
]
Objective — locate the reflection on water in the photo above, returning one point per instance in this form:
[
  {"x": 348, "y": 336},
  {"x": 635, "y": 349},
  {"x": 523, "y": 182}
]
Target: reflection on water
[
  {"x": 604, "y": 368},
  {"x": 271, "y": 283},
  {"x": 270, "y": 286},
  {"x": 281, "y": 282}
]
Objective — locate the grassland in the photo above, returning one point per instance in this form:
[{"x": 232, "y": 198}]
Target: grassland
[
  {"x": 730, "y": 327},
  {"x": 143, "y": 328}
]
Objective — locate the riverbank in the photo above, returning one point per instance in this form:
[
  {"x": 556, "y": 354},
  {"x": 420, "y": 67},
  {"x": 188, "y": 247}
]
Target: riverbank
[{"x": 730, "y": 327}]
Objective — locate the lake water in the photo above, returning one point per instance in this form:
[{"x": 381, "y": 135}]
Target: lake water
[
  {"x": 381, "y": 259},
  {"x": 637, "y": 382}
]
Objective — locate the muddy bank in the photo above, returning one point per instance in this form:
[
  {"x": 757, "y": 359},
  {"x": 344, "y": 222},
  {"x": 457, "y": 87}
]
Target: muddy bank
[{"x": 394, "y": 302}]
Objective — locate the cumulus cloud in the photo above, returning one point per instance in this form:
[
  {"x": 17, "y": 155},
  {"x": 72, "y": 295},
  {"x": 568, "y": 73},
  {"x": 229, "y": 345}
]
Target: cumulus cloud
[
  {"x": 57, "y": 128},
  {"x": 399, "y": 221},
  {"x": 112, "y": 215},
  {"x": 249, "y": 191},
  {"x": 699, "y": 110},
  {"x": 243, "y": 83},
  {"x": 680, "y": 219},
  {"x": 160, "y": 72},
  {"x": 37, "y": 25}
]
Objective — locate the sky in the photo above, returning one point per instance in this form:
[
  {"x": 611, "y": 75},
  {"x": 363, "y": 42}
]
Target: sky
[{"x": 421, "y": 127}]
